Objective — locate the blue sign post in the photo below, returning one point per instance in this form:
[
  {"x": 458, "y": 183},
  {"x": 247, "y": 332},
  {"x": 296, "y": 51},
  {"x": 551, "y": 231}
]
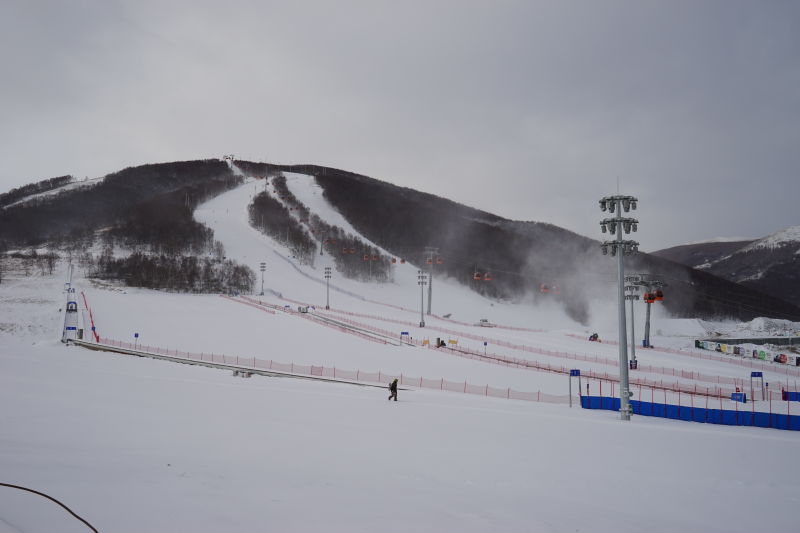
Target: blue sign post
[
  {"x": 135, "y": 340},
  {"x": 757, "y": 375},
  {"x": 574, "y": 372}
]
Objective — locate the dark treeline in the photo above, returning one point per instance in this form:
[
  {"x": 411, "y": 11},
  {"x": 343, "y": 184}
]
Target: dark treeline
[
  {"x": 353, "y": 257},
  {"x": 71, "y": 215},
  {"x": 165, "y": 224},
  {"x": 147, "y": 210},
  {"x": 33, "y": 188},
  {"x": 177, "y": 273},
  {"x": 406, "y": 221},
  {"x": 519, "y": 255},
  {"x": 774, "y": 270},
  {"x": 28, "y": 262},
  {"x": 271, "y": 217}
]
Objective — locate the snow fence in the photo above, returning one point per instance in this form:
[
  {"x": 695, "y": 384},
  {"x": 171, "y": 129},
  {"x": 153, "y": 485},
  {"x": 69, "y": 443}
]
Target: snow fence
[
  {"x": 236, "y": 362},
  {"x": 705, "y": 415}
]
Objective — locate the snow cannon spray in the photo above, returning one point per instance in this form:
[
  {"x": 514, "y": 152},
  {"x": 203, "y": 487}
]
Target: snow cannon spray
[{"x": 71, "y": 314}]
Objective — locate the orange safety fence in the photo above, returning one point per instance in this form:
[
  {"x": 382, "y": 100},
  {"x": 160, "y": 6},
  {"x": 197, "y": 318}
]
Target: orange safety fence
[
  {"x": 272, "y": 308},
  {"x": 652, "y": 369},
  {"x": 91, "y": 318},
  {"x": 677, "y": 386},
  {"x": 344, "y": 375},
  {"x": 249, "y": 302},
  {"x": 679, "y": 373}
]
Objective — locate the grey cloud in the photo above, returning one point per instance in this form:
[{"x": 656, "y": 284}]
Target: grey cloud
[{"x": 530, "y": 110}]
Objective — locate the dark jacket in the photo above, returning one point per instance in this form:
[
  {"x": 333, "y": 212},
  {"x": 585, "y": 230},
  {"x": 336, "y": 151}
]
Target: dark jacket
[{"x": 393, "y": 386}]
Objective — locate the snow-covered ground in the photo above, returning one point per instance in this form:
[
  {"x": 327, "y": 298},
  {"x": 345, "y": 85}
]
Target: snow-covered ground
[{"x": 136, "y": 444}]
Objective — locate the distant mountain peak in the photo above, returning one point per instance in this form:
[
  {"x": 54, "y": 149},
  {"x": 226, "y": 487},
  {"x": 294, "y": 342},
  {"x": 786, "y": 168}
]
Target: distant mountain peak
[
  {"x": 785, "y": 237},
  {"x": 717, "y": 240}
]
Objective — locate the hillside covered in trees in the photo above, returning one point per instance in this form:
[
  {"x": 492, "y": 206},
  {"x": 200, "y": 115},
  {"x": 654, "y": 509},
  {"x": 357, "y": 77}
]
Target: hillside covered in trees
[
  {"x": 145, "y": 213},
  {"x": 524, "y": 259}
]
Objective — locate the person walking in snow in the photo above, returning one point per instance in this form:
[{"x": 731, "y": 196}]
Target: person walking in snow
[{"x": 393, "y": 390}]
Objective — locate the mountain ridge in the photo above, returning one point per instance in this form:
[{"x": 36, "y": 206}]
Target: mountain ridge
[
  {"x": 770, "y": 264},
  {"x": 129, "y": 207}
]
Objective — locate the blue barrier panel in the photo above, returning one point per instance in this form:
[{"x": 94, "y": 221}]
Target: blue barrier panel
[
  {"x": 597, "y": 402},
  {"x": 641, "y": 408},
  {"x": 698, "y": 414},
  {"x": 788, "y": 396},
  {"x": 739, "y": 397},
  {"x": 672, "y": 411}
]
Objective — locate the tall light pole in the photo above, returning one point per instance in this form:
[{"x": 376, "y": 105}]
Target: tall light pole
[
  {"x": 620, "y": 248},
  {"x": 263, "y": 268},
  {"x": 430, "y": 251},
  {"x": 421, "y": 282},
  {"x": 327, "y": 287},
  {"x": 631, "y": 296}
]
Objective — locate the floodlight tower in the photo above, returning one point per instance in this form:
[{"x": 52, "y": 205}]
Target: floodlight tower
[
  {"x": 421, "y": 282},
  {"x": 620, "y": 248},
  {"x": 327, "y": 287},
  {"x": 263, "y": 268},
  {"x": 631, "y": 295},
  {"x": 431, "y": 252}
]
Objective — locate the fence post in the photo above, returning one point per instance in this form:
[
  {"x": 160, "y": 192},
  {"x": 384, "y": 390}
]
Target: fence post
[{"x": 770, "y": 408}]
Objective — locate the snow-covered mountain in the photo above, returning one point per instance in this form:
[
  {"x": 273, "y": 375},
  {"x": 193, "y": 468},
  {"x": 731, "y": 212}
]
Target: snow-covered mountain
[
  {"x": 148, "y": 210},
  {"x": 770, "y": 264}
]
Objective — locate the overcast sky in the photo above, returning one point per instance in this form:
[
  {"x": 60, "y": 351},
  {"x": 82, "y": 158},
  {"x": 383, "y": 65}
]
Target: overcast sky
[{"x": 530, "y": 110}]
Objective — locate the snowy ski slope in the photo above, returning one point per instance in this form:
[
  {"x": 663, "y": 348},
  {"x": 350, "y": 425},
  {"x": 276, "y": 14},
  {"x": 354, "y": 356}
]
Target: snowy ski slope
[{"x": 135, "y": 444}]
